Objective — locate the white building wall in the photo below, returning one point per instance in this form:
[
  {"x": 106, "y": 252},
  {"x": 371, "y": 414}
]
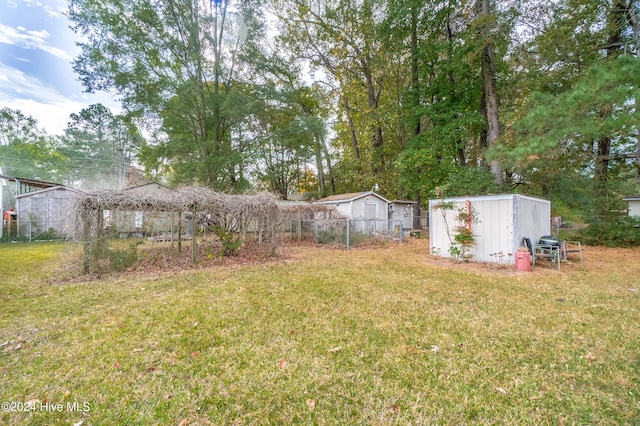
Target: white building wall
[
  {"x": 494, "y": 230},
  {"x": 41, "y": 210},
  {"x": 634, "y": 208},
  {"x": 533, "y": 219},
  {"x": 403, "y": 212},
  {"x": 502, "y": 222},
  {"x": 344, "y": 209}
]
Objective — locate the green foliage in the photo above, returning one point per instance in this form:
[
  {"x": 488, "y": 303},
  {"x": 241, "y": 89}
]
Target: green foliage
[
  {"x": 99, "y": 147},
  {"x": 48, "y": 235},
  {"x": 27, "y": 151},
  {"x": 601, "y": 104},
  {"x": 121, "y": 259},
  {"x": 332, "y": 236},
  {"x": 470, "y": 181},
  {"x": 422, "y": 167},
  {"x": 177, "y": 61},
  {"x": 230, "y": 242},
  {"x": 113, "y": 256},
  {"x": 618, "y": 232}
]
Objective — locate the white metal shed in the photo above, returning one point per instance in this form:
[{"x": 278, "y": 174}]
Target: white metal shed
[
  {"x": 502, "y": 221},
  {"x": 634, "y": 205}
]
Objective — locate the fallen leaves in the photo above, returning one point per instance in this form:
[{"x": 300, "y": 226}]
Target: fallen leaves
[
  {"x": 311, "y": 404},
  {"x": 282, "y": 363},
  {"x": 14, "y": 345}
]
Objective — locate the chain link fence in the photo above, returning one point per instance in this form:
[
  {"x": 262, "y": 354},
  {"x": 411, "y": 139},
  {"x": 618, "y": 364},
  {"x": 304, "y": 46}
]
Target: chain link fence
[
  {"x": 332, "y": 231},
  {"x": 346, "y": 232}
]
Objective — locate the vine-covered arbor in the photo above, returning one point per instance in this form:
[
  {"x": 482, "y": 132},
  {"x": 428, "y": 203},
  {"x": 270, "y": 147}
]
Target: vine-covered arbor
[{"x": 260, "y": 213}]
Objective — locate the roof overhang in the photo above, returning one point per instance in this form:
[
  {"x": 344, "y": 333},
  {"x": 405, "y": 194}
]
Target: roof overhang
[{"x": 41, "y": 191}]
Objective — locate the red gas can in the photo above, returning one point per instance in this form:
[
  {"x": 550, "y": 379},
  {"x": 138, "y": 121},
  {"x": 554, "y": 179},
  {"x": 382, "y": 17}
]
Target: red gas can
[{"x": 523, "y": 260}]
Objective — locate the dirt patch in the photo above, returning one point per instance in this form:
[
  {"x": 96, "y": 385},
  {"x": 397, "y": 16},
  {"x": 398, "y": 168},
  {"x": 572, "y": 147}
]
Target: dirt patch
[{"x": 161, "y": 258}]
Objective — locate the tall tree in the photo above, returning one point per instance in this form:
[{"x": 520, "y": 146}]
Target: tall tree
[
  {"x": 99, "y": 147},
  {"x": 490, "y": 101},
  {"x": 575, "y": 94},
  {"x": 27, "y": 151},
  {"x": 340, "y": 39},
  {"x": 177, "y": 60},
  {"x": 442, "y": 44}
]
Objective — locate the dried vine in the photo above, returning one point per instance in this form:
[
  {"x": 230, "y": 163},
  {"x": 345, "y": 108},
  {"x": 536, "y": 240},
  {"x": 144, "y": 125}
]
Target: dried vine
[{"x": 261, "y": 213}]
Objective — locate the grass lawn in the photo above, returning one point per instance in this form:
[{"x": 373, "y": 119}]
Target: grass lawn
[{"x": 387, "y": 335}]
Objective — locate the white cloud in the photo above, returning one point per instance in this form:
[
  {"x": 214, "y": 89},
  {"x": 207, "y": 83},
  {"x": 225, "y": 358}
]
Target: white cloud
[
  {"x": 51, "y": 12},
  {"x": 20, "y": 37},
  {"x": 33, "y": 98}
]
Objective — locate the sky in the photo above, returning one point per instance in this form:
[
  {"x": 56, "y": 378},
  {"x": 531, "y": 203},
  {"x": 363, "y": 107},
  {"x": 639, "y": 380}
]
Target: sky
[{"x": 36, "y": 76}]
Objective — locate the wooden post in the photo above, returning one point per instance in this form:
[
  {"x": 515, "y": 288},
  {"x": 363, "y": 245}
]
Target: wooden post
[
  {"x": 273, "y": 227},
  {"x": 180, "y": 231},
  {"x": 348, "y": 242},
  {"x": 85, "y": 242},
  {"x": 173, "y": 215},
  {"x": 194, "y": 248}
]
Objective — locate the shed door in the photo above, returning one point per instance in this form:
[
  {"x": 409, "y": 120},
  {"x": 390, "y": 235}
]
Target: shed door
[{"x": 370, "y": 211}]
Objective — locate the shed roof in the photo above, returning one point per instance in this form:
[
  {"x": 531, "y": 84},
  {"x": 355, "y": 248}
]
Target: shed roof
[
  {"x": 632, "y": 198},
  {"x": 40, "y": 191},
  {"x": 30, "y": 182},
  {"x": 144, "y": 186},
  {"x": 488, "y": 197},
  {"x": 344, "y": 198}
]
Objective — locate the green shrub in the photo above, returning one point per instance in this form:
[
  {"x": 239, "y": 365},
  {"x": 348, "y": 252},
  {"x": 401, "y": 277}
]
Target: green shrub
[
  {"x": 332, "y": 236},
  {"x": 620, "y": 232},
  {"x": 121, "y": 259},
  {"x": 48, "y": 235},
  {"x": 230, "y": 243}
]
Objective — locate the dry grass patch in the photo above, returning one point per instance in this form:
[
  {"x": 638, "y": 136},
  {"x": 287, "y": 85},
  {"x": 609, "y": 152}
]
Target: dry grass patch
[{"x": 325, "y": 336}]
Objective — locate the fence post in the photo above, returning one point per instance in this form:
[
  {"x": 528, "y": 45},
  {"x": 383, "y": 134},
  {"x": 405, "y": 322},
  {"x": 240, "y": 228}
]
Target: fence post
[
  {"x": 347, "y": 234},
  {"x": 86, "y": 248},
  {"x": 194, "y": 247}
]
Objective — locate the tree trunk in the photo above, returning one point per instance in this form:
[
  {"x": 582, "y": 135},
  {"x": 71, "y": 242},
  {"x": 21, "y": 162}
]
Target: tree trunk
[
  {"x": 601, "y": 175},
  {"x": 490, "y": 91},
  {"x": 376, "y": 138},
  {"x": 332, "y": 182},
  {"x": 615, "y": 21},
  {"x": 415, "y": 77},
  {"x": 319, "y": 166},
  {"x": 352, "y": 129}
]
